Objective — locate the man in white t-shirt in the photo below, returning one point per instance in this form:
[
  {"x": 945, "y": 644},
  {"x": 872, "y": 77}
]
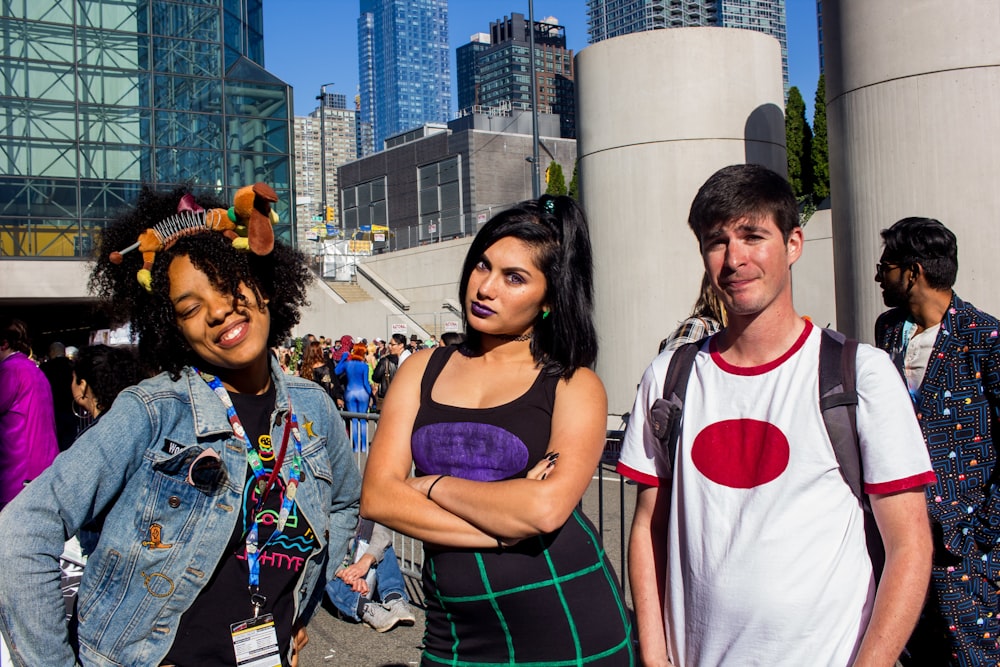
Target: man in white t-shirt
[{"x": 751, "y": 551}]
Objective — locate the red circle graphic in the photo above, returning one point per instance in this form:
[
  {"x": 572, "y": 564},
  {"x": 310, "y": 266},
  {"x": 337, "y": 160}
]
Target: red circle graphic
[{"x": 740, "y": 453}]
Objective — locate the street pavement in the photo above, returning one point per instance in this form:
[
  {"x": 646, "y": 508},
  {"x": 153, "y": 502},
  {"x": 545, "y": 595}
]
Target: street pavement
[{"x": 333, "y": 641}]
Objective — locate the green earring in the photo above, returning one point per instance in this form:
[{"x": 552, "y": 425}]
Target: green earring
[{"x": 545, "y": 314}]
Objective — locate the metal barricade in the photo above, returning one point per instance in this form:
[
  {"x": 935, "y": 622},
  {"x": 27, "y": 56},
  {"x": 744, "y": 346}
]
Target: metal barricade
[
  {"x": 609, "y": 461},
  {"x": 409, "y": 552}
]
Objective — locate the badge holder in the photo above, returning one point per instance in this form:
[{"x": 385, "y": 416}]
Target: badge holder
[{"x": 255, "y": 640}]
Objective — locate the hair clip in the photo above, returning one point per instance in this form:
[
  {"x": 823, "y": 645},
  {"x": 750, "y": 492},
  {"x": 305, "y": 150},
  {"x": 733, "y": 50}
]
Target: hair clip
[
  {"x": 549, "y": 205},
  {"x": 248, "y": 224}
]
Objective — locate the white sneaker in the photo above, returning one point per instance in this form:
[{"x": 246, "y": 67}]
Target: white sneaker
[
  {"x": 398, "y": 608},
  {"x": 379, "y": 617}
]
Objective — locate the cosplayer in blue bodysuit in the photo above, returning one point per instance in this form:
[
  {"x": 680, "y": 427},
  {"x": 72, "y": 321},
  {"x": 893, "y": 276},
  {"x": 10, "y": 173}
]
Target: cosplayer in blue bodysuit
[{"x": 358, "y": 392}]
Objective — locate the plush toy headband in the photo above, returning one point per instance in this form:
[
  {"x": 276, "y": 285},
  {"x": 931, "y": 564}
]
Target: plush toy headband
[{"x": 248, "y": 224}]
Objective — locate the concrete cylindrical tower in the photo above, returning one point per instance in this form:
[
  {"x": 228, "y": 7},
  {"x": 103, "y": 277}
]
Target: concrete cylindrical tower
[
  {"x": 913, "y": 102},
  {"x": 658, "y": 113}
]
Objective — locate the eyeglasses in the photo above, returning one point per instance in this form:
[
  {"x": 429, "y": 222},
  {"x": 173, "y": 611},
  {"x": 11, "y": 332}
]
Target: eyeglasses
[
  {"x": 207, "y": 471},
  {"x": 882, "y": 268}
]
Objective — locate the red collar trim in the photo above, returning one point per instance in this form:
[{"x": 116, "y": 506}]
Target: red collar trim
[{"x": 713, "y": 348}]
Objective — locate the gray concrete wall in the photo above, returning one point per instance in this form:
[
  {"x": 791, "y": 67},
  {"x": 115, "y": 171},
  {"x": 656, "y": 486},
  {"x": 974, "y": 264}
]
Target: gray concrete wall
[
  {"x": 913, "y": 98},
  {"x": 658, "y": 113},
  {"x": 426, "y": 276},
  {"x": 45, "y": 279},
  {"x": 813, "y": 288}
]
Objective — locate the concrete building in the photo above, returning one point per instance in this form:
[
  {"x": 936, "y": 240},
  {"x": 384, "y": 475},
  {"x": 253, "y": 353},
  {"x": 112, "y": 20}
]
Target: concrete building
[
  {"x": 913, "y": 94},
  {"x": 101, "y": 97},
  {"x": 404, "y": 66},
  {"x": 337, "y": 126},
  {"x": 439, "y": 181},
  {"x": 649, "y": 137},
  {"x": 611, "y": 18},
  {"x": 499, "y": 72}
]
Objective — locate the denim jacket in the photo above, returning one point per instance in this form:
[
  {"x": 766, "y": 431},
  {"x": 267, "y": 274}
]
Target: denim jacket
[{"x": 133, "y": 594}]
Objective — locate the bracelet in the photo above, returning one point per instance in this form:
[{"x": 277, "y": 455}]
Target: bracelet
[{"x": 431, "y": 487}]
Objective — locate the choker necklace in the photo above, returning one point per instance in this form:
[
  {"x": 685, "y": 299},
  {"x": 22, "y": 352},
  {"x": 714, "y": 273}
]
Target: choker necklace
[{"x": 516, "y": 339}]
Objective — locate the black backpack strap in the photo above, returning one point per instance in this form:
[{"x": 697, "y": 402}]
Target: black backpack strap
[
  {"x": 665, "y": 414},
  {"x": 838, "y": 401}
]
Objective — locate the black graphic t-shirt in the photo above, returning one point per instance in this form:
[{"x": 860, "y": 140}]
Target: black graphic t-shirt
[{"x": 203, "y": 636}]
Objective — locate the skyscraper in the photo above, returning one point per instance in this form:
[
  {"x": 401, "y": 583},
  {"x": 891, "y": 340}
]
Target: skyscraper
[
  {"x": 498, "y": 72},
  {"x": 404, "y": 65},
  {"x": 327, "y": 135},
  {"x": 610, "y": 18},
  {"x": 102, "y": 96}
]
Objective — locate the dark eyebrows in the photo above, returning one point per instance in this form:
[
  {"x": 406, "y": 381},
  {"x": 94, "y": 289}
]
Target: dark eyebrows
[{"x": 744, "y": 225}]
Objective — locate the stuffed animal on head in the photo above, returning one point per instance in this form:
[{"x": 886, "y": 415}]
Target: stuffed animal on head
[
  {"x": 248, "y": 224},
  {"x": 254, "y": 217}
]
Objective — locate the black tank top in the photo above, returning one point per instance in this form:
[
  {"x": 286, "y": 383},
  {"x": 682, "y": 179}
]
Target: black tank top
[{"x": 481, "y": 444}]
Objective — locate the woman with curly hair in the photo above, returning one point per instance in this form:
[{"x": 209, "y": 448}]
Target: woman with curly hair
[
  {"x": 513, "y": 572},
  {"x": 315, "y": 367},
  {"x": 223, "y": 484},
  {"x": 358, "y": 392}
]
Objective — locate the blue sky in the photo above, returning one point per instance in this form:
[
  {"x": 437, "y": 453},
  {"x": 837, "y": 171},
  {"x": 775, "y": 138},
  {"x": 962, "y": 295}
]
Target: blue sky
[{"x": 308, "y": 43}]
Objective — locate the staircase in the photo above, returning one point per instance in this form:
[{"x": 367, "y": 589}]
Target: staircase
[{"x": 349, "y": 292}]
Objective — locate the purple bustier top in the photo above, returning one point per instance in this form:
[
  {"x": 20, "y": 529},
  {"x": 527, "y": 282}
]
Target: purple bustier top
[{"x": 481, "y": 444}]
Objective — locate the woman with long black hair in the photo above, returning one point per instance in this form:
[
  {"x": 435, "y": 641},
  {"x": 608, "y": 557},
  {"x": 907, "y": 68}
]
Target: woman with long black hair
[{"x": 513, "y": 571}]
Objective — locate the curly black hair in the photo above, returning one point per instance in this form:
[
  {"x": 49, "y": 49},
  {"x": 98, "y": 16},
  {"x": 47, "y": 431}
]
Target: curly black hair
[
  {"x": 281, "y": 277},
  {"x": 107, "y": 370}
]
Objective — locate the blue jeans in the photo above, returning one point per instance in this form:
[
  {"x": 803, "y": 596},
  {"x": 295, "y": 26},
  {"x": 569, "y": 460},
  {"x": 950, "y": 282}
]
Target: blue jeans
[{"x": 388, "y": 580}]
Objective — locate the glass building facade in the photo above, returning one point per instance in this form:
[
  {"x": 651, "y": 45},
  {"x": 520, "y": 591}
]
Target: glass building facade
[
  {"x": 101, "y": 96},
  {"x": 500, "y": 71},
  {"x": 611, "y": 18},
  {"x": 404, "y": 65}
]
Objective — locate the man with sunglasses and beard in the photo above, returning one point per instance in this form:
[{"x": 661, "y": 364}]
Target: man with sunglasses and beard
[{"x": 948, "y": 352}]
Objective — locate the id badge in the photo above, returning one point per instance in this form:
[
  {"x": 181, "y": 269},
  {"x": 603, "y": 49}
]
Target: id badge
[{"x": 256, "y": 642}]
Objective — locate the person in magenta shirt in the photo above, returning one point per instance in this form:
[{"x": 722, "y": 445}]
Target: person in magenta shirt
[{"x": 27, "y": 421}]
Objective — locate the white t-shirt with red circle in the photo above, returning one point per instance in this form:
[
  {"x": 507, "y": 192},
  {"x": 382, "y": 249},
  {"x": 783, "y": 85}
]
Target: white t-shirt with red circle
[{"x": 766, "y": 555}]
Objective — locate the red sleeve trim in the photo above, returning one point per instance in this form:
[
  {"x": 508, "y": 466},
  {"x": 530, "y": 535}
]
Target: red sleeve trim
[
  {"x": 882, "y": 488},
  {"x": 636, "y": 476}
]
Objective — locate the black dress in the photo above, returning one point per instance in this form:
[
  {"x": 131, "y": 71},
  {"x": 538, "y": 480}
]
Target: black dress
[{"x": 552, "y": 599}]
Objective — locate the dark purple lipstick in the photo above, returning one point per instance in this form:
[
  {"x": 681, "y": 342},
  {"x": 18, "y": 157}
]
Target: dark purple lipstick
[{"x": 479, "y": 310}]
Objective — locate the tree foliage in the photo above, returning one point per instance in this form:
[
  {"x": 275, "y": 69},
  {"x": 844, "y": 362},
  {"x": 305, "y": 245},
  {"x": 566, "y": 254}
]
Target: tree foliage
[
  {"x": 554, "y": 179},
  {"x": 574, "y": 183},
  {"x": 820, "y": 145},
  {"x": 798, "y": 142}
]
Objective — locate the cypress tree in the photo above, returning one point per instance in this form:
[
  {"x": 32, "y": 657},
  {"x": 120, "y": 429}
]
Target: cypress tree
[
  {"x": 574, "y": 183},
  {"x": 798, "y": 142},
  {"x": 820, "y": 146},
  {"x": 556, "y": 182}
]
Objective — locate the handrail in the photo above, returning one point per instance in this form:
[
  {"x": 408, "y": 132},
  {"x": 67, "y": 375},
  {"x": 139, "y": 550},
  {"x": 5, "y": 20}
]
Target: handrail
[{"x": 380, "y": 283}]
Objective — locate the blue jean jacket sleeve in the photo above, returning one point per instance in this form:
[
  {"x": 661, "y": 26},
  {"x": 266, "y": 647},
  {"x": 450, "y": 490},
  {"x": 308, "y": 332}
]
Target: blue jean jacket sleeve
[{"x": 34, "y": 526}]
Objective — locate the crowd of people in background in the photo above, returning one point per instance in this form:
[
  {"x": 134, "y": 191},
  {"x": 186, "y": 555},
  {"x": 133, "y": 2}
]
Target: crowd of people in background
[{"x": 326, "y": 360}]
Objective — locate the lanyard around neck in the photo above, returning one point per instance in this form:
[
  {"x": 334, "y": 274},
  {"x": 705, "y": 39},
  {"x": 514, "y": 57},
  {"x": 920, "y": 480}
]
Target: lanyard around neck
[{"x": 263, "y": 482}]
